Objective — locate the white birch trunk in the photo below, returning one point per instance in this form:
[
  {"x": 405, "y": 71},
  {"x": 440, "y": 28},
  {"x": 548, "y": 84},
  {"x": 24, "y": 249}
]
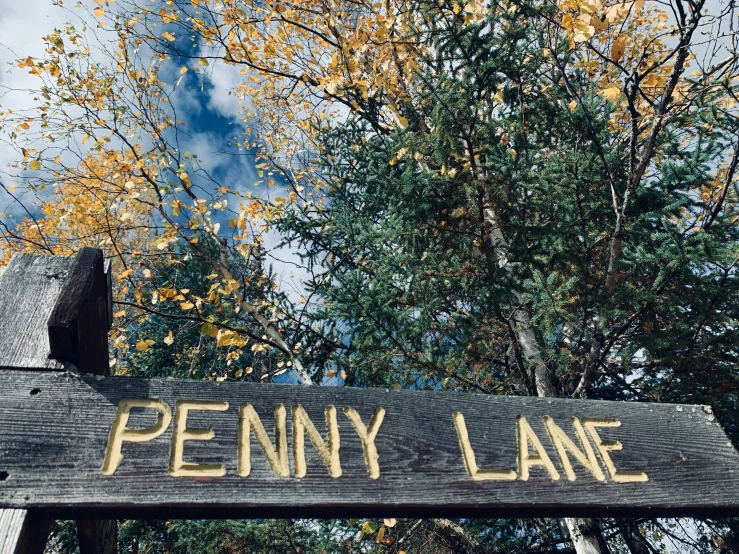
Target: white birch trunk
[
  {"x": 586, "y": 536},
  {"x": 584, "y": 533}
]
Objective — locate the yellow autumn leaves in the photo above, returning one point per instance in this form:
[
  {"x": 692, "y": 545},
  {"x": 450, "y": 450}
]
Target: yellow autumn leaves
[
  {"x": 583, "y": 19},
  {"x": 618, "y": 48},
  {"x": 144, "y": 345},
  {"x": 297, "y": 60},
  {"x": 611, "y": 93},
  {"x": 383, "y": 535},
  {"x": 613, "y": 38}
]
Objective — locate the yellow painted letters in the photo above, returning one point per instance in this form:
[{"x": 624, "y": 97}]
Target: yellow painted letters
[
  {"x": 328, "y": 451},
  {"x": 177, "y": 467},
  {"x": 277, "y": 457},
  {"x": 605, "y": 446},
  {"x": 525, "y": 436},
  {"x": 119, "y": 433},
  {"x": 468, "y": 455},
  {"x": 563, "y": 443},
  {"x": 367, "y": 436},
  {"x": 587, "y": 454}
]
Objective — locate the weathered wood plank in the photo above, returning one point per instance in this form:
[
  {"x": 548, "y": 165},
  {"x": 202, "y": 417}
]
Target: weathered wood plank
[
  {"x": 78, "y": 332},
  {"x": 55, "y": 313},
  {"x": 54, "y": 429},
  {"x": 29, "y": 288},
  {"x": 22, "y": 533},
  {"x": 11, "y": 523},
  {"x": 78, "y": 324}
]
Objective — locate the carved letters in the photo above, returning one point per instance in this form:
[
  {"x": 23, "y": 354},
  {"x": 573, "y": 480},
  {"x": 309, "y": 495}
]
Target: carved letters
[
  {"x": 582, "y": 444},
  {"x": 527, "y": 440}
]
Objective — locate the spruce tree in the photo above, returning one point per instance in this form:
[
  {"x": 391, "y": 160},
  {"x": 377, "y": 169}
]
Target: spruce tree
[{"x": 477, "y": 248}]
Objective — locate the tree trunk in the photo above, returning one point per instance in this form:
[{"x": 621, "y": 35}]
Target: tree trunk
[
  {"x": 585, "y": 534},
  {"x": 636, "y": 542}
]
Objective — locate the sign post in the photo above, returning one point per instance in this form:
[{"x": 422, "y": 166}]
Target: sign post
[
  {"x": 75, "y": 443},
  {"x": 55, "y": 313}
]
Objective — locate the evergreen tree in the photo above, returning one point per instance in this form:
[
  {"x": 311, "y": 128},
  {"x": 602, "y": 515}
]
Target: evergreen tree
[
  {"x": 478, "y": 248},
  {"x": 165, "y": 341}
]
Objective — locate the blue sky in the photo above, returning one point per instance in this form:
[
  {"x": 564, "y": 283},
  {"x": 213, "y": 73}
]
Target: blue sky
[{"x": 203, "y": 101}]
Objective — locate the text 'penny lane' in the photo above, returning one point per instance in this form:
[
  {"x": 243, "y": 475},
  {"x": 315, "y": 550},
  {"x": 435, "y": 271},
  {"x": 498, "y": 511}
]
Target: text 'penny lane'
[{"x": 588, "y": 448}]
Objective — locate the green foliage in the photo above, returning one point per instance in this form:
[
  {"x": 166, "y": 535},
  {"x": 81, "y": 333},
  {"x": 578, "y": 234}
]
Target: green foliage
[
  {"x": 184, "y": 344},
  {"x": 417, "y": 290}
]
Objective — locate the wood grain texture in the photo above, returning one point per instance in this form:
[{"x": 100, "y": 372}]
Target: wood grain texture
[
  {"x": 54, "y": 429},
  {"x": 97, "y": 537},
  {"x": 78, "y": 333},
  {"x": 22, "y": 532},
  {"x": 45, "y": 301},
  {"x": 29, "y": 288},
  {"x": 78, "y": 324},
  {"x": 11, "y": 525}
]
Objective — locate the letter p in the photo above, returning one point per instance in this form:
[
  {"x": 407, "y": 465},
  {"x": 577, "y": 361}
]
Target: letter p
[{"x": 119, "y": 433}]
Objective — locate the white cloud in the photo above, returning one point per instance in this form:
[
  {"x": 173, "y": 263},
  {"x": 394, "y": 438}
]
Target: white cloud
[
  {"x": 224, "y": 79},
  {"x": 22, "y": 27}
]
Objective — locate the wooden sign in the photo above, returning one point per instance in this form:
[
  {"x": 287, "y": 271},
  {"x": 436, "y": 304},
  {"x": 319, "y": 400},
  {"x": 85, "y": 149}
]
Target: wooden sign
[{"x": 120, "y": 447}]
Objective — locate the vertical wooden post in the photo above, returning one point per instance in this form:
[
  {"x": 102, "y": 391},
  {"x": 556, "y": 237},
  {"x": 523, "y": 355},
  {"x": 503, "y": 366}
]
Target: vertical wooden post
[
  {"x": 22, "y": 533},
  {"x": 55, "y": 314},
  {"x": 79, "y": 323},
  {"x": 78, "y": 333}
]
